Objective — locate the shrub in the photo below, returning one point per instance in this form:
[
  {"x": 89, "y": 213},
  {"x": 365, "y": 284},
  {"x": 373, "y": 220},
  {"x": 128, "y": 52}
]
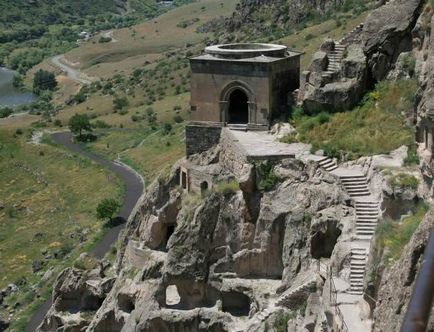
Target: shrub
[
  {"x": 119, "y": 103},
  {"x": 104, "y": 39},
  {"x": 267, "y": 178},
  {"x": 403, "y": 180},
  {"x": 5, "y": 112},
  {"x": 178, "y": 119},
  {"x": 167, "y": 128},
  {"x": 227, "y": 188},
  {"x": 57, "y": 123},
  {"x": 107, "y": 208},
  {"x": 43, "y": 80},
  {"x": 393, "y": 235},
  {"x": 412, "y": 157},
  {"x": 79, "y": 123}
]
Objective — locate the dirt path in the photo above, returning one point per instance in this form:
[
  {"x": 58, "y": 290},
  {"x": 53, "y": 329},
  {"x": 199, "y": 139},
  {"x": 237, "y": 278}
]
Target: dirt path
[
  {"x": 74, "y": 74},
  {"x": 133, "y": 190}
]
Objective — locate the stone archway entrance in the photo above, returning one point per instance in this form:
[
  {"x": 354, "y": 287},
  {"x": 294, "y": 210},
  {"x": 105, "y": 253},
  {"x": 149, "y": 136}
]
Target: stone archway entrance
[{"x": 238, "y": 112}]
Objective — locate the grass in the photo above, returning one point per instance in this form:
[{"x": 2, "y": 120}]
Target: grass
[
  {"x": 376, "y": 126},
  {"x": 227, "y": 188},
  {"x": 48, "y": 209},
  {"x": 403, "y": 180},
  {"x": 392, "y": 236}
]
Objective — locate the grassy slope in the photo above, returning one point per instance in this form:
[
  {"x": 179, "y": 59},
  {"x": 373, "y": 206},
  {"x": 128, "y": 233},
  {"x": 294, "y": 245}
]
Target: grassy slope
[
  {"x": 377, "y": 126},
  {"x": 153, "y": 37},
  {"x": 47, "y": 207}
]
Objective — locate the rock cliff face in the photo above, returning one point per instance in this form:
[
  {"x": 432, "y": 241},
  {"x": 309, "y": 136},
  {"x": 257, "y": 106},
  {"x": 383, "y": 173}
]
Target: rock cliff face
[
  {"x": 342, "y": 71},
  {"x": 392, "y": 305},
  {"x": 191, "y": 262}
]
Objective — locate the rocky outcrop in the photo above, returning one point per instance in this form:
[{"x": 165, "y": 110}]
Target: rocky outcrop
[
  {"x": 392, "y": 306},
  {"x": 77, "y": 295},
  {"x": 387, "y": 33},
  {"x": 341, "y": 72},
  {"x": 231, "y": 254}
]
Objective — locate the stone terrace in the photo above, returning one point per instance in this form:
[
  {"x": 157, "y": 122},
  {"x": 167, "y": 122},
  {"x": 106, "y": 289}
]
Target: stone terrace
[{"x": 259, "y": 145}]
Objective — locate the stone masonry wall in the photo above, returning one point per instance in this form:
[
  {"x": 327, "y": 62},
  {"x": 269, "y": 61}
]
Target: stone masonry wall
[
  {"x": 232, "y": 156},
  {"x": 200, "y": 137}
]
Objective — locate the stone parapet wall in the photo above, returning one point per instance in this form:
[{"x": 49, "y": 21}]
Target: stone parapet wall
[
  {"x": 201, "y": 136},
  {"x": 232, "y": 156}
]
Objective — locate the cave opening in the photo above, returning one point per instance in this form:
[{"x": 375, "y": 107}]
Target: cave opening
[{"x": 235, "y": 303}]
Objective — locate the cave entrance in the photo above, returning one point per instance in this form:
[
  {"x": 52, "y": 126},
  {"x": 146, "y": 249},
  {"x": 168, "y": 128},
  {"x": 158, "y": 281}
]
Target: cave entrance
[
  {"x": 204, "y": 187},
  {"x": 238, "y": 107},
  {"x": 237, "y": 304},
  {"x": 170, "y": 229}
]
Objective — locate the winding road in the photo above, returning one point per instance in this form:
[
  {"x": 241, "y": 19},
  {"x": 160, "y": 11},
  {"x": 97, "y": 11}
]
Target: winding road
[
  {"x": 71, "y": 73},
  {"x": 133, "y": 190}
]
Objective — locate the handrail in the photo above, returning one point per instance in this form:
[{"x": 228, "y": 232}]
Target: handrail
[{"x": 419, "y": 308}]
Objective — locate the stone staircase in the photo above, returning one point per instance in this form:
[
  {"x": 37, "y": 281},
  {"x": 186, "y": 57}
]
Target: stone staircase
[
  {"x": 328, "y": 164},
  {"x": 355, "y": 184},
  {"x": 352, "y": 37},
  {"x": 335, "y": 60},
  {"x": 366, "y": 217},
  {"x": 285, "y": 300},
  {"x": 359, "y": 259}
]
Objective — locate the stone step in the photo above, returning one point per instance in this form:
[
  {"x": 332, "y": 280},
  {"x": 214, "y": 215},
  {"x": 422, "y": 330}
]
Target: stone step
[
  {"x": 367, "y": 208},
  {"x": 366, "y": 220},
  {"x": 359, "y": 203},
  {"x": 358, "y": 180}
]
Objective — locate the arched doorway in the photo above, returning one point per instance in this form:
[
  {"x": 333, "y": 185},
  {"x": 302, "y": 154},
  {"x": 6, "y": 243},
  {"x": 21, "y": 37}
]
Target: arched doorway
[{"x": 238, "y": 112}]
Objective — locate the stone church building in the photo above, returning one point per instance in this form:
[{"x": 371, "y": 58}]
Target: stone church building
[
  {"x": 235, "y": 87},
  {"x": 243, "y": 84}
]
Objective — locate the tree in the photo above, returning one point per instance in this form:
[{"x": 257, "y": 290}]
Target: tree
[
  {"x": 43, "y": 80},
  {"x": 120, "y": 103},
  {"x": 79, "y": 123},
  {"x": 107, "y": 208}
]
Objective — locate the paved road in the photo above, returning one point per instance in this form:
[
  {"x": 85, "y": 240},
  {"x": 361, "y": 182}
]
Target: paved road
[
  {"x": 133, "y": 191},
  {"x": 71, "y": 73}
]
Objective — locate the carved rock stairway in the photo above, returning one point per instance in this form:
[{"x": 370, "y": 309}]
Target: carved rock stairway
[
  {"x": 328, "y": 164},
  {"x": 366, "y": 217},
  {"x": 355, "y": 184},
  {"x": 357, "y": 270},
  {"x": 335, "y": 60},
  {"x": 353, "y": 36}
]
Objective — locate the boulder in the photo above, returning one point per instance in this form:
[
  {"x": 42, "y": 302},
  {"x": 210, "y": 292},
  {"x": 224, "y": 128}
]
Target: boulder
[
  {"x": 387, "y": 33},
  {"x": 319, "y": 62}
]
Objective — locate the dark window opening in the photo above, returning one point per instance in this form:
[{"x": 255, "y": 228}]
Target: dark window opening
[
  {"x": 184, "y": 180},
  {"x": 169, "y": 231},
  {"x": 203, "y": 187},
  {"x": 238, "y": 107}
]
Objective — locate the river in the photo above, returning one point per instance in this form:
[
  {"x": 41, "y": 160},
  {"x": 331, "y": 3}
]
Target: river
[{"x": 9, "y": 95}]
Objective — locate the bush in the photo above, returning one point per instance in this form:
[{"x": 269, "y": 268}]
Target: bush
[
  {"x": 104, "y": 39},
  {"x": 57, "y": 123},
  {"x": 107, "y": 208},
  {"x": 412, "y": 157},
  {"x": 167, "y": 128},
  {"x": 5, "y": 112},
  {"x": 178, "y": 119},
  {"x": 43, "y": 80},
  {"x": 119, "y": 103},
  {"x": 403, "y": 180},
  {"x": 100, "y": 124},
  {"x": 227, "y": 188},
  {"x": 266, "y": 176},
  {"x": 393, "y": 235}
]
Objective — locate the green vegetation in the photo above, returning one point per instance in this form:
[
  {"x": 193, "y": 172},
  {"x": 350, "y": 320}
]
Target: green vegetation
[
  {"x": 265, "y": 173},
  {"x": 376, "y": 126},
  {"x": 43, "y": 80},
  {"x": 48, "y": 215},
  {"x": 403, "y": 180},
  {"x": 392, "y": 236},
  {"x": 281, "y": 322},
  {"x": 107, "y": 208},
  {"x": 227, "y": 188},
  {"x": 79, "y": 123}
]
